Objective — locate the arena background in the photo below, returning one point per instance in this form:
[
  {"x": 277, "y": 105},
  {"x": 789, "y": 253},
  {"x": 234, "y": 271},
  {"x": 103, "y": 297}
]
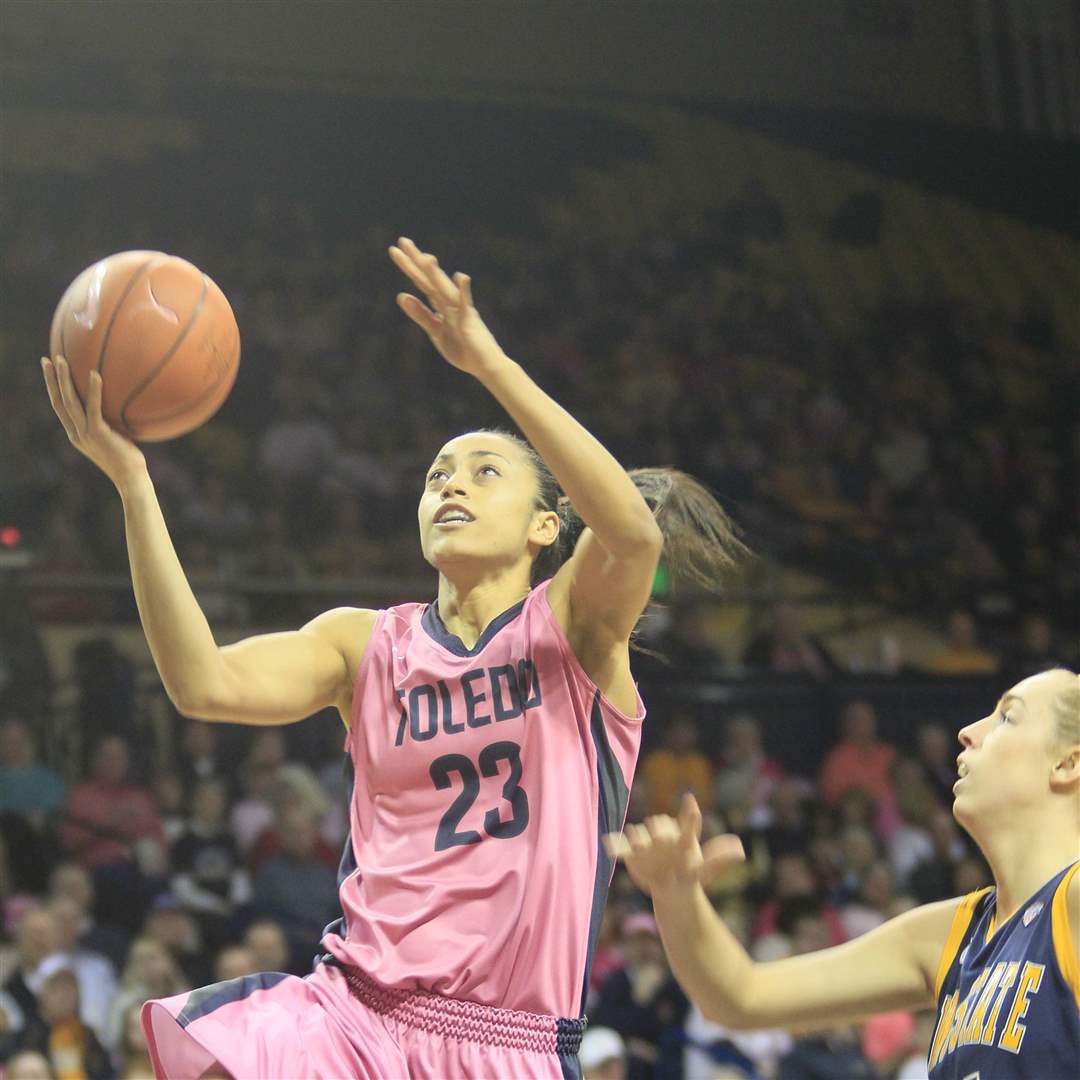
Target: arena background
[{"x": 823, "y": 256}]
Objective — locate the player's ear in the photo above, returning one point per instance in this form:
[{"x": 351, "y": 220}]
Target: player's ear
[
  {"x": 1065, "y": 775},
  {"x": 545, "y": 528}
]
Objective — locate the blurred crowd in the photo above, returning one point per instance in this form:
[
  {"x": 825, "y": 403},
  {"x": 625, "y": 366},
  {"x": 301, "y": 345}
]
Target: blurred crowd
[
  {"x": 140, "y": 878},
  {"x": 930, "y": 461}
]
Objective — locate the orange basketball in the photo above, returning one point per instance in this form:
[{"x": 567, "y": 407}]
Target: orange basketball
[{"x": 161, "y": 334}]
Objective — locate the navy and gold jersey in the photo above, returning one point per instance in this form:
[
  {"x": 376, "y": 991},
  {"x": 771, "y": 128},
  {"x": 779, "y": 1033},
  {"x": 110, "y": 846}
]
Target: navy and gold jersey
[{"x": 1008, "y": 997}]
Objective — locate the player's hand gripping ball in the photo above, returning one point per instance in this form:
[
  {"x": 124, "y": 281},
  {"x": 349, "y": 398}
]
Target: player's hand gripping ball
[{"x": 161, "y": 335}]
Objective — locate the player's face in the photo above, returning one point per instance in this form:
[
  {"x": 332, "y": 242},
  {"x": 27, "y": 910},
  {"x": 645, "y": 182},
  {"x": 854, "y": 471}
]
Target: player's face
[
  {"x": 1008, "y": 758},
  {"x": 479, "y": 504}
]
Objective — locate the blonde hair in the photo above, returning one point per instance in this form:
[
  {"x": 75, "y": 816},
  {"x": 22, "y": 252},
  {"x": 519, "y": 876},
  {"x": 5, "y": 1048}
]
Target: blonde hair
[{"x": 1065, "y": 709}]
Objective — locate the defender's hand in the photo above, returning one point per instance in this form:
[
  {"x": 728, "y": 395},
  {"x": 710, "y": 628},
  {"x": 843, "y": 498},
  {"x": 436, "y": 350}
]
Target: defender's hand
[{"x": 666, "y": 854}]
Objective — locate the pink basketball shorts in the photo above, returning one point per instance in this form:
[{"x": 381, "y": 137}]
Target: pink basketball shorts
[{"x": 337, "y": 1024}]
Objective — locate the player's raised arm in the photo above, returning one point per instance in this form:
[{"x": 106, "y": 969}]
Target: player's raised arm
[
  {"x": 274, "y": 678},
  {"x": 604, "y": 586},
  {"x": 892, "y": 967}
]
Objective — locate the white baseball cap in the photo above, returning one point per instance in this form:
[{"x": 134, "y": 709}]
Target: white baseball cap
[{"x": 598, "y": 1045}]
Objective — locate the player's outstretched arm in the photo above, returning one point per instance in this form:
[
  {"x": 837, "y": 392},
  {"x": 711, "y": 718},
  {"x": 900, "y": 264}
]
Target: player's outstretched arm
[
  {"x": 609, "y": 577},
  {"x": 275, "y": 678},
  {"x": 892, "y": 967}
]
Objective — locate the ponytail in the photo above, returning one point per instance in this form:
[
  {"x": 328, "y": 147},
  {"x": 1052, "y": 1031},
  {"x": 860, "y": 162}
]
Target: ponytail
[{"x": 701, "y": 542}]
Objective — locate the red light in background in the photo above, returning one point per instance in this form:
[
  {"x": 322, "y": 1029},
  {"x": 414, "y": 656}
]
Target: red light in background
[{"x": 10, "y": 536}]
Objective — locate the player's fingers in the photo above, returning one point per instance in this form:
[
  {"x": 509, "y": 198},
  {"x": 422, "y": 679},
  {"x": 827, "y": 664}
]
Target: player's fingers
[
  {"x": 638, "y": 836},
  {"x": 420, "y": 313},
  {"x": 618, "y": 847},
  {"x": 720, "y": 852},
  {"x": 49, "y": 371},
  {"x": 440, "y": 288},
  {"x": 408, "y": 266},
  {"x": 70, "y": 396},
  {"x": 661, "y": 827},
  {"x": 689, "y": 819},
  {"x": 464, "y": 284},
  {"x": 93, "y": 402}
]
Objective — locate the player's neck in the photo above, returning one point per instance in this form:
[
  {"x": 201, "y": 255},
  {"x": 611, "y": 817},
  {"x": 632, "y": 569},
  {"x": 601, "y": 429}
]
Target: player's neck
[
  {"x": 466, "y": 608},
  {"x": 1021, "y": 867}
]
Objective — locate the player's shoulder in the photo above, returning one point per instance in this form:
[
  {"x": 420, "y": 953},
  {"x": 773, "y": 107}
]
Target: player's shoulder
[
  {"x": 347, "y": 629},
  {"x": 932, "y": 933}
]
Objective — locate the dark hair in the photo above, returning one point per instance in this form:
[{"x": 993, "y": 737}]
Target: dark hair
[{"x": 701, "y": 542}]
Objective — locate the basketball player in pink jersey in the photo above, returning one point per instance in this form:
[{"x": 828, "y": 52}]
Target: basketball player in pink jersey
[{"x": 493, "y": 735}]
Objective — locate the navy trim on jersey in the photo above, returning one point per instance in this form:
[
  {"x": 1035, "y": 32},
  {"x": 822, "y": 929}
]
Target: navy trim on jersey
[
  {"x": 611, "y": 809},
  {"x": 570, "y": 1066},
  {"x": 433, "y": 625},
  {"x": 346, "y": 866},
  {"x": 205, "y": 1000}
]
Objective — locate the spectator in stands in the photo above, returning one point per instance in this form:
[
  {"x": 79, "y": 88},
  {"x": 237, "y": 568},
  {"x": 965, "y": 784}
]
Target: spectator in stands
[
  {"x": 786, "y": 649},
  {"x": 835, "y": 1052},
  {"x": 150, "y": 972},
  {"x": 714, "y": 1052},
  {"x": 876, "y": 901},
  {"x": 858, "y": 852},
  {"x": 677, "y": 766},
  {"x": 932, "y": 878},
  {"x": 253, "y": 812},
  {"x": 295, "y": 887},
  {"x": 200, "y": 756},
  {"x": 172, "y": 926},
  {"x": 744, "y": 767},
  {"x": 916, "y": 803},
  {"x": 70, "y": 881},
  {"x": 111, "y": 826},
  {"x": 28, "y": 788},
  {"x": 792, "y": 879},
  {"x": 134, "y": 1054},
  {"x": 29, "y": 1065},
  {"x": 209, "y": 878},
  {"x": 642, "y": 1001},
  {"x": 93, "y": 970},
  {"x": 233, "y": 962},
  {"x": 602, "y": 1055},
  {"x": 168, "y": 788},
  {"x": 963, "y": 655},
  {"x": 267, "y": 940},
  {"x": 788, "y": 828},
  {"x": 58, "y": 1031},
  {"x": 937, "y": 754},
  {"x": 608, "y": 957},
  {"x": 860, "y": 760},
  {"x": 35, "y": 938},
  {"x": 297, "y": 787},
  {"x": 887, "y": 1041}
]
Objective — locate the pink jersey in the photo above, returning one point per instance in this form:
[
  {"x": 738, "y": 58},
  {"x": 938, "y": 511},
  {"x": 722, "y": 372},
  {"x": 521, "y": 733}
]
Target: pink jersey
[{"x": 484, "y": 779}]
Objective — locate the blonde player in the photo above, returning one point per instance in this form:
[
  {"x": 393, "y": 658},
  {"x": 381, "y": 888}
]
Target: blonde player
[
  {"x": 493, "y": 735},
  {"x": 1002, "y": 965}
]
